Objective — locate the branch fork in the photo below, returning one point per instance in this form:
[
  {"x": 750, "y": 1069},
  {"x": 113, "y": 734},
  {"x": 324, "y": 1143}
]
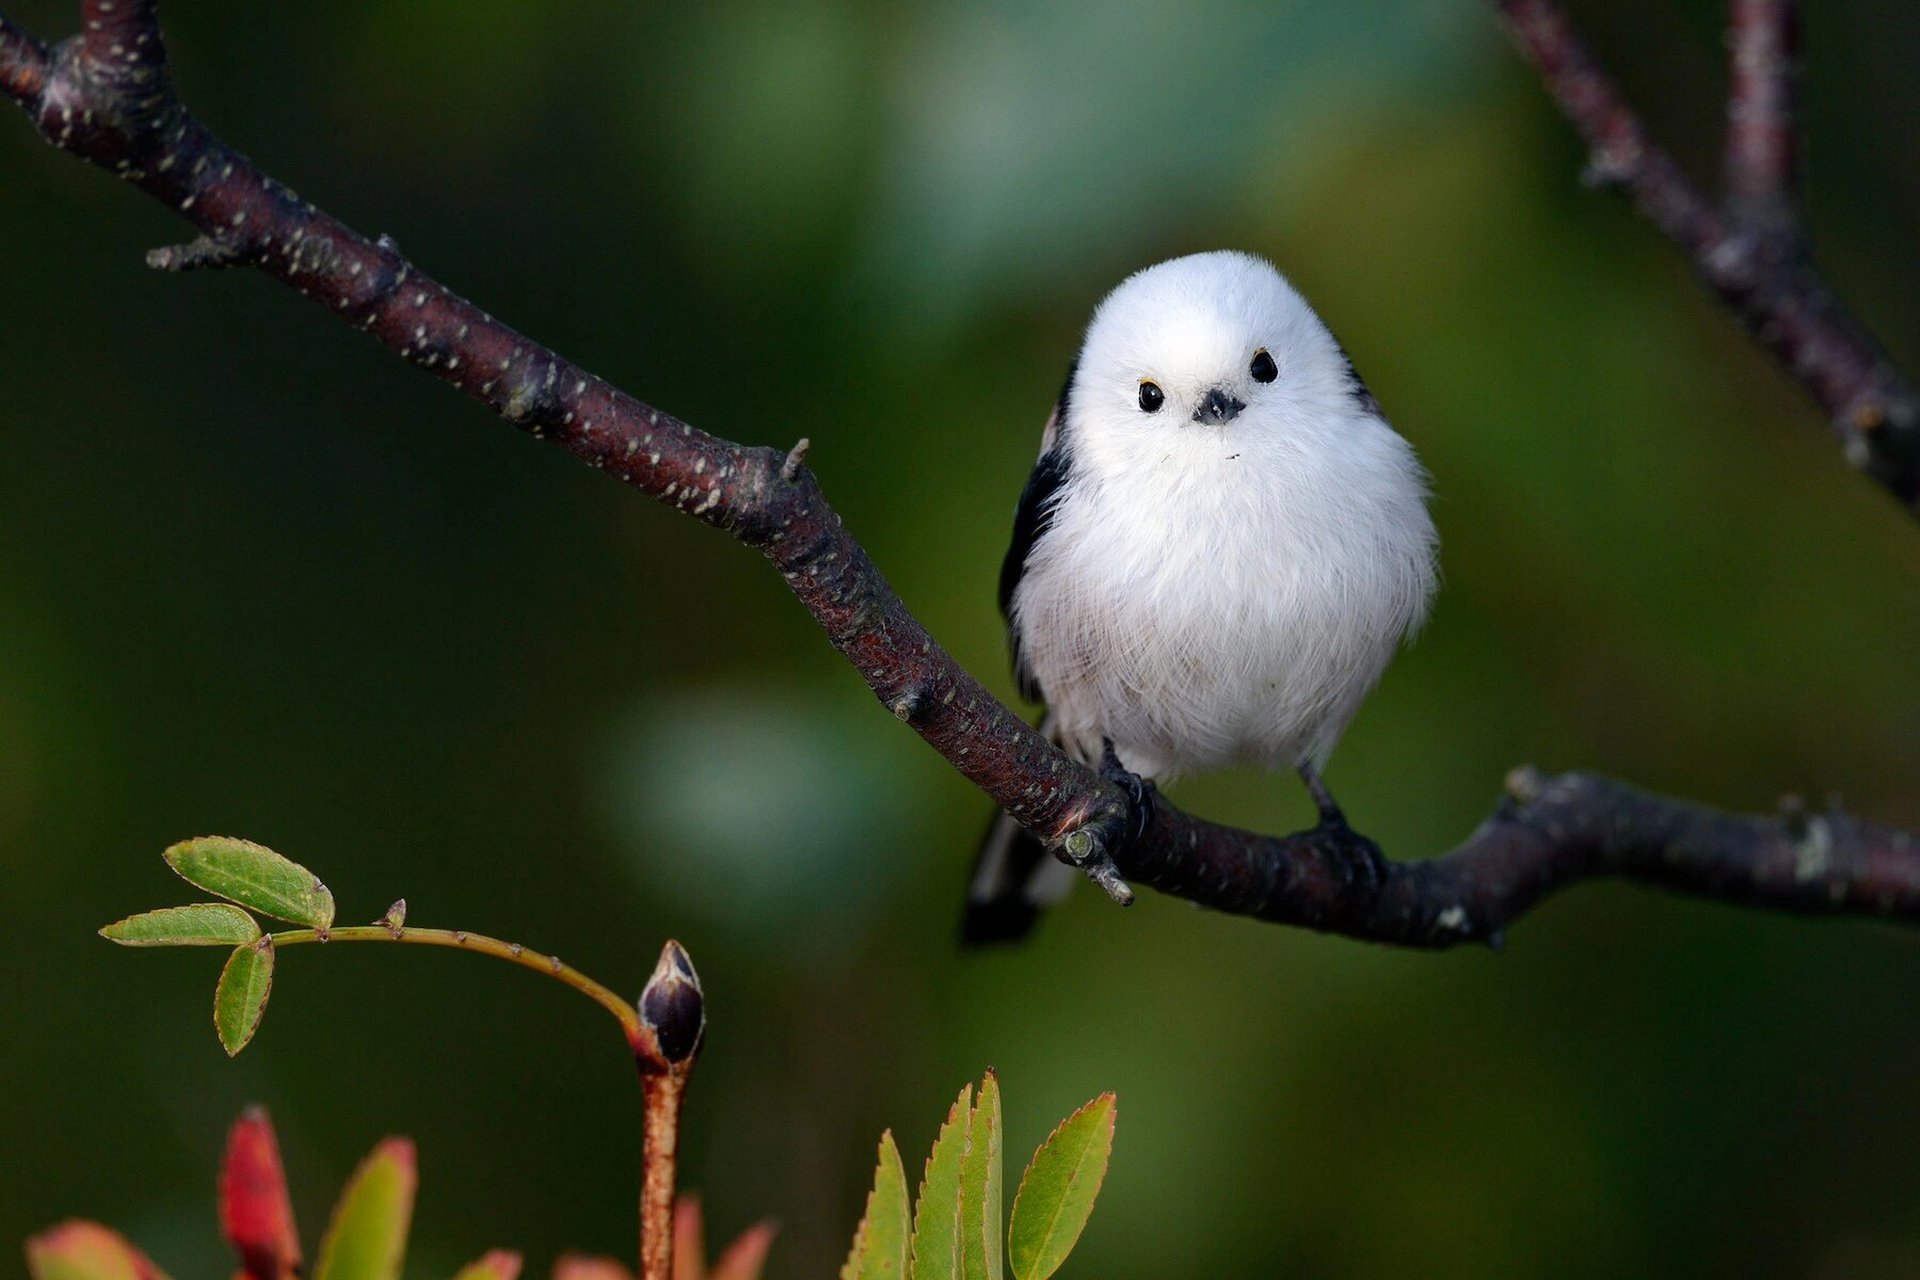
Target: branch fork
[{"x": 1750, "y": 250}]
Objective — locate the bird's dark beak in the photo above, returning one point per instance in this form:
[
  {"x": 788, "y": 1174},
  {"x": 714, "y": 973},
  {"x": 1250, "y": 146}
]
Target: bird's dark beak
[{"x": 1219, "y": 408}]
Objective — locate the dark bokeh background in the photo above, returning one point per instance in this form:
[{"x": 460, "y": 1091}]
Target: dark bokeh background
[{"x": 258, "y": 577}]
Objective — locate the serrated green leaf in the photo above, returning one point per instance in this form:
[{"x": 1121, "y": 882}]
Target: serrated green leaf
[
  {"x": 1056, "y": 1196},
  {"x": 241, "y": 998},
  {"x": 80, "y": 1250},
  {"x": 367, "y": 1239},
  {"x": 880, "y": 1245},
  {"x": 203, "y": 924},
  {"x": 980, "y": 1187},
  {"x": 253, "y": 876},
  {"x": 936, "y": 1214}
]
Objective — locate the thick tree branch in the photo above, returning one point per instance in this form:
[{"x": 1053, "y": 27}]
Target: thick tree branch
[
  {"x": 1549, "y": 833},
  {"x": 1756, "y": 268},
  {"x": 107, "y": 99}
]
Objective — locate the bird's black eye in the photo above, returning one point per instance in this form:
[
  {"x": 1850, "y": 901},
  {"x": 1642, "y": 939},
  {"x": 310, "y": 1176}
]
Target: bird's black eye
[
  {"x": 1152, "y": 397},
  {"x": 1264, "y": 369}
]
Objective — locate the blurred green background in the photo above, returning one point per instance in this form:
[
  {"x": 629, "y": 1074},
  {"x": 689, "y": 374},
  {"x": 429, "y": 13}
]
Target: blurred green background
[{"x": 257, "y": 577}]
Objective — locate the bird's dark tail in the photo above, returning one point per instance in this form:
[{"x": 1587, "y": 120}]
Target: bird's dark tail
[{"x": 1014, "y": 879}]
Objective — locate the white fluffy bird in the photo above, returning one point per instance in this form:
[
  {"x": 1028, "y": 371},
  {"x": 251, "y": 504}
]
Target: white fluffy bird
[{"x": 1220, "y": 549}]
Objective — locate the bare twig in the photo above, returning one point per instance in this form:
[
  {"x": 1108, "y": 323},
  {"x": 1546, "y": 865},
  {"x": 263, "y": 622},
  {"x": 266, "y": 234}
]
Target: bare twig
[
  {"x": 664, "y": 1028},
  {"x": 796, "y": 458},
  {"x": 392, "y": 930},
  {"x": 1550, "y": 832},
  {"x": 202, "y": 253},
  {"x": 1756, "y": 267},
  {"x": 1764, "y": 43}
]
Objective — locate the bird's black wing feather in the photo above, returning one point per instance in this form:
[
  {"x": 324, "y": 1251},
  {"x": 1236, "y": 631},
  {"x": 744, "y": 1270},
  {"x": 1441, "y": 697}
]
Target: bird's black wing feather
[
  {"x": 1356, "y": 386},
  {"x": 1000, "y": 902},
  {"x": 1030, "y": 523}
]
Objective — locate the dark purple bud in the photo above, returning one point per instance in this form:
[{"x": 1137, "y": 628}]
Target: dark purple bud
[{"x": 673, "y": 1007}]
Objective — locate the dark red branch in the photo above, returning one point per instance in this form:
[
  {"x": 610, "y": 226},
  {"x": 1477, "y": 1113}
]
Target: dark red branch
[
  {"x": 1761, "y": 275},
  {"x": 1549, "y": 833},
  {"x": 1764, "y": 45},
  {"x": 118, "y": 110}
]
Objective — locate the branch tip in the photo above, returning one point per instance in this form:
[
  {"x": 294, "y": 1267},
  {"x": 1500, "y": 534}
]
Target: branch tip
[
  {"x": 202, "y": 253},
  {"x": 910, "y": 706},
  {"x": 796, "y": 458},
  {"x": 1763, "y": 42},
  {"x": 1107, "y": 876},
  {"x": 1526, "y": 783},
  {"x": 1769, "y": 285},
  {"x": 1603, "y": 173},
  {"x": 1084, "y": 849}
]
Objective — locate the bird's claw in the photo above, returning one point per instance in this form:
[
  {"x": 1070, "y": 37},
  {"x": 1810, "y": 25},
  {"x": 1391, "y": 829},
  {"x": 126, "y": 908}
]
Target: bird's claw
[
  {"x": 1089, "y": 847},
  {"x": 1361, "y": 864},
  {"x": 1142, "y": 795}
]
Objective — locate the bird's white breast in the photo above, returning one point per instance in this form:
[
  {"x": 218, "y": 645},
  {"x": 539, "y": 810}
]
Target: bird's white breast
[{"x": 1229, "y": 595}]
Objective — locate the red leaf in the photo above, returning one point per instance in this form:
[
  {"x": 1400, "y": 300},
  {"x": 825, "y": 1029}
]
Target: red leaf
[
  {"x": 743, "y": 1259},
  {"x": 255, "y": 1213},
  {"x": 689, "y": 1240},
  {"x": 81, "y": 1250},
  {"x": 746, "y": 1256},
  {"x": 580, "y": 1266},
  {"x": 495, "y": 1264}
]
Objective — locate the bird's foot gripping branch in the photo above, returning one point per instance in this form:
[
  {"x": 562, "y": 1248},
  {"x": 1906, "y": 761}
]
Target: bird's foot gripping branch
[{"x": 107, "y": 97}]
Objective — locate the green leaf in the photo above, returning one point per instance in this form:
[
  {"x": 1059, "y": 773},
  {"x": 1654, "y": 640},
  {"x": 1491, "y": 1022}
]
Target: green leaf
[
  {"x": 253, "y": 876},
  {"x": 880, "y": 1245},
  {"x": 204, "y": 924},
  {"x": 1056, "y": 1195},
  {"x": 80, "y": 1250},
  {"x": 936, "y": 1215},
  {"x": 980, "y": 1187},
  {"x": 367, "y": 1238},
  {"x": 241, "y": 998}
]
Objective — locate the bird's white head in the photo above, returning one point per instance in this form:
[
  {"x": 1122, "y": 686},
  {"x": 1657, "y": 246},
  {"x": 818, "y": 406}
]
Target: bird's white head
[{"x": 1208, "y": 345}]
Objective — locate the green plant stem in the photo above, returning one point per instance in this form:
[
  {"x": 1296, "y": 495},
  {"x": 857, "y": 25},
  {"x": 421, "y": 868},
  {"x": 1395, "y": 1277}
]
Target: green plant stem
[
  {"x": 461, "y": 940},
  {"x": 662, "y": 1082}
]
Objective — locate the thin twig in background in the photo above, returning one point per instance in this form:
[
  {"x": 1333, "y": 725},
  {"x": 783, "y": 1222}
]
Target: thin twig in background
[
  {"x": 108, "y": 99},
  {"x": 1762, "y": 167},
  {"x": 1751, "y": 253}
]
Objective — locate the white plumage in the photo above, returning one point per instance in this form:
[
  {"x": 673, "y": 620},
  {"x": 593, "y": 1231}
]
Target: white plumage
[
  {"x": 1207, "y": 593},
  {"x": 1221, "y": 578}
]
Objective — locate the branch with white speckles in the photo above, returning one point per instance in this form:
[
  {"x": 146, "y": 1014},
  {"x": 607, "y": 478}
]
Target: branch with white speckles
[
  {"x": 1752, "y": 253},
  {"x": 107, "y": 98}
]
